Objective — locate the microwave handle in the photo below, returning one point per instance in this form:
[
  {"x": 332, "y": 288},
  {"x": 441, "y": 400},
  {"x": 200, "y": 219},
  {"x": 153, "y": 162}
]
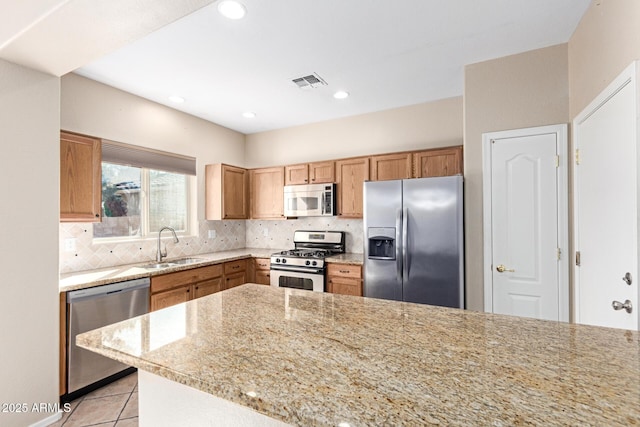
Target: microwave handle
[{"x": 322, "y": 203}]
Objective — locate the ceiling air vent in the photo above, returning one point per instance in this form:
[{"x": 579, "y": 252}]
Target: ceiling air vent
[{"x": 310, "y": 81}]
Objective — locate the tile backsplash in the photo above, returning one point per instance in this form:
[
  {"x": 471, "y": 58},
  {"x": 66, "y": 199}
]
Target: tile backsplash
[
  {"x": 279, "y": 234},
  {"x": 88, "y": 255}
]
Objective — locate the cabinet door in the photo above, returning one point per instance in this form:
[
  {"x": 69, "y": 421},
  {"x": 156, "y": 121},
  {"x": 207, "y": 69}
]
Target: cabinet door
[
  {"x": 441, "y": 162},
  {"x": 267, "y": 193},
  {"x": 171, "y": 297},
  {"x": 391, "y": 166},
  {"x": 226, "y": 192},
  {"x": 235, "y": 192},
  {"x": 207, "y": 288},
  {"x": 322, "y": 172},
  {"x": 296, "y": 174},
  {"x": 80, "y": 178},
  {"x": 263, "y": 277},
  {"x": 350, "y": 177},
  {"x": 235, "y": 279},
  {"x": 345, "y": 286}
]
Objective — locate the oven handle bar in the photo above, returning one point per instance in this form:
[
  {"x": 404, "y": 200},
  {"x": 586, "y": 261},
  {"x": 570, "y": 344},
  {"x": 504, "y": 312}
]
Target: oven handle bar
[{"x": 298, "y": 270}]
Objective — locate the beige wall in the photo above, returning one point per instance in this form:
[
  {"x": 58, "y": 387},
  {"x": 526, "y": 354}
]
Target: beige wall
[
  {"x": 29, "y": 172},
  {"x": 95, "y": 109},
  {"x": 433, "y": 124},
  {"x": 605, "y": 42},
  {"x": 525, "y": 90}
]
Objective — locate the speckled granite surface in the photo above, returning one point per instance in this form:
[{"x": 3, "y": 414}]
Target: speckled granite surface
[
  {"x": 317, "y": 359},
  {"x": 349, "y": 258},
  {"x": 103, "y": 276}
]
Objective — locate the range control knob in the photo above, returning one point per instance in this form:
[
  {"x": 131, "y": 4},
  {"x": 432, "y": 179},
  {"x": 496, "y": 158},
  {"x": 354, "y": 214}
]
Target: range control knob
[
  {"x": 277, "y": 260},
  {"x": 307, "y": 262},
  {"x": 314, "y": 263},
  {"x": 284, "y": 261}
]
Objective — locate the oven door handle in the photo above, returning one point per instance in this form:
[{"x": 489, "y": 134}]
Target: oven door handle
[{"x": 298, "y": 270}]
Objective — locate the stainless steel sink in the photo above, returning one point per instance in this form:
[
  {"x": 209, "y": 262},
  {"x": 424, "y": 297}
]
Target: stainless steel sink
[
  {"x": 173, "y": 263},
  {"x": 183, "y": 261},
  {"x": 157, "y": 265}
]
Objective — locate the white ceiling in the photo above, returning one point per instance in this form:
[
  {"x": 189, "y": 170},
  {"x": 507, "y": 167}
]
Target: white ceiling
[{"x": 386, "y": 54}]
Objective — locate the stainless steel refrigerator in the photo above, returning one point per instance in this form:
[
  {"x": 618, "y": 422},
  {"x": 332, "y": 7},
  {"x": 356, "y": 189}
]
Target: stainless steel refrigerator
[{"x": 414, "y": 240}]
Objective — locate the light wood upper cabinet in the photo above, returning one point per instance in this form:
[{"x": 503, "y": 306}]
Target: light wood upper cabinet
[
  {"x": 226, "y": 192},
  {"x": 322, "y": 172},
  {"x": 296, "y": 174},
  {"x": 391, "y": 166},
  {"x": 350, "y": 177},
  {"x": 440, "y": 162},
  {"x": 309, "y": 173},
  {"x": 80, "y": 178},
  {"x": 267, "y": 193}
]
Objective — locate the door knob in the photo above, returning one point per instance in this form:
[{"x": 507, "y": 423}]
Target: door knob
[
  {"x": 501, "y": 269},
  {"x": 617, "y": 305}
]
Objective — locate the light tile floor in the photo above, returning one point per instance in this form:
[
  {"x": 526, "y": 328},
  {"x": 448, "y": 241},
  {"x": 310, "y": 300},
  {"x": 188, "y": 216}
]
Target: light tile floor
[{"x": 114, "y": 405}]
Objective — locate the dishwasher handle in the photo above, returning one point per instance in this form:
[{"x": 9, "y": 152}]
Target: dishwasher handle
[{"x": 99, "y": 291}]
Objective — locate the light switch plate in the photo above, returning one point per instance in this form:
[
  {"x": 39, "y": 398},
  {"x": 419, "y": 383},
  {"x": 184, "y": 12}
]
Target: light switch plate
[{"x": 212, "y": 234}]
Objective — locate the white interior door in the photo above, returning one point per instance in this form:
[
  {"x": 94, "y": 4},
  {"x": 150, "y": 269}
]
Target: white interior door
[
  {"x": 525, "y": 197},
  {"x": 606, "y": 207}
]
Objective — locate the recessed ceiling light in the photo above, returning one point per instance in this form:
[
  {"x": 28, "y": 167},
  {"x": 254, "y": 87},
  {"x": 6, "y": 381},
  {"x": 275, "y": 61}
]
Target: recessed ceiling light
[
  {"x": 341, "y": 94},
  {"x": 232, "y": 9},
  {"x": 177, "y": 99},
  {"x": 249, "y": 114}
]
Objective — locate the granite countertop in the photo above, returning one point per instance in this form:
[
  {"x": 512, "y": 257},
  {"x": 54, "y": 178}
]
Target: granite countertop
[
  {"x": 324, "y": 359},
  {"x": 348, "y": 258},
  {"x": 104, "y": 276}
]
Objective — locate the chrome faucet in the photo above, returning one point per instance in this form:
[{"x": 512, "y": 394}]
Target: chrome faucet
[{"x": 160, "y": 253}]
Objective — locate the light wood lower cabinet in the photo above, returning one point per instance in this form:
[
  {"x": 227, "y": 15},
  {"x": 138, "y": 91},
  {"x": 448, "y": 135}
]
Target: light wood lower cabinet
[
  {"x": 344, "y": 279},
  {"x": 175, "y": 288},
  {"x": 262, "y": 271},
  {"x": 235, "y": 273}
]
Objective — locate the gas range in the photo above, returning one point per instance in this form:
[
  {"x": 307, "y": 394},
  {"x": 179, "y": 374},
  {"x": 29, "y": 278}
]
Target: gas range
[{"x": 304, "y": 266}]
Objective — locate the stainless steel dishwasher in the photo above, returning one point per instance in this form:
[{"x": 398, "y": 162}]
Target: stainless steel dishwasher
[{"x": 92, "y": 308}]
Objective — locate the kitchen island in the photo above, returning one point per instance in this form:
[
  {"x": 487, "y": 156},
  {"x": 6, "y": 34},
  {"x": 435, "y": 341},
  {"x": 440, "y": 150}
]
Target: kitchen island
[{"x": 306, "y": 358}]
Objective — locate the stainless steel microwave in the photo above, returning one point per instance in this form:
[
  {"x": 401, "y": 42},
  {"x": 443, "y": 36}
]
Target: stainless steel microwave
[{"x": 310, "y": 200}]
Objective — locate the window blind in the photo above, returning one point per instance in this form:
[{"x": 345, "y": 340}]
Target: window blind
[{"x": 131, "y": 155}]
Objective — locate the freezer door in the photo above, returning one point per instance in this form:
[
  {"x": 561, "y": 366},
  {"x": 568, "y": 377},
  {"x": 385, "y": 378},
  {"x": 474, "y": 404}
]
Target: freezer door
[
  {"x": 382, "y": 208},
  {"x": 434, "y": 261}
]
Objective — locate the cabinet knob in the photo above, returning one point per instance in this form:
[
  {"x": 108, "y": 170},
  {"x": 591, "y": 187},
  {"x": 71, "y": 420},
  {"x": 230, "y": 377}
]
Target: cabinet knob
[{"x": 97, "y": 215}]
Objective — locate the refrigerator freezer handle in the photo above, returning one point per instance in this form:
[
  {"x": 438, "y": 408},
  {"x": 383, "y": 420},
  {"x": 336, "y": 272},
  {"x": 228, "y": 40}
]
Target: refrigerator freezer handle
[
  {"x": 405, "y": 243},
  {"x": 399, "y": 246}
]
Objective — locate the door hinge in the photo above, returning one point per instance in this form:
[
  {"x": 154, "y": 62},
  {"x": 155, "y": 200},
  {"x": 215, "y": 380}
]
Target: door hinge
[
  {"x": 559, "y": 253},
  {"x": 577, "y": 156},
  {"x": 557, "y": 161},
  {"x": 578, "y": 258}
]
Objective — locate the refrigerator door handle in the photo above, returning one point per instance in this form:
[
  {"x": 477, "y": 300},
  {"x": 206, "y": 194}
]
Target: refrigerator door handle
[
  {"x": 405, "y": 244},
  {"x": 399, "y": 246}
]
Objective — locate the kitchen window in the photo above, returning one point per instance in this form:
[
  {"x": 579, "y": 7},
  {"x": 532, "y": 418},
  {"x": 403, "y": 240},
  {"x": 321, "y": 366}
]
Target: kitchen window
[{"x": 143, "y": 191}]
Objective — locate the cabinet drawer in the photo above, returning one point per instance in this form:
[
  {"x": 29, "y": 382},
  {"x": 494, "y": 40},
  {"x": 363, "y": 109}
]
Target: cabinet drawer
[
  {"x": 344, "y": 270},
  {"x": 263, "y": 263},
  {"x": 345, "y": 286},
  {"x": 173, "y": 280},
  {"x": 235, "y": 266}
]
